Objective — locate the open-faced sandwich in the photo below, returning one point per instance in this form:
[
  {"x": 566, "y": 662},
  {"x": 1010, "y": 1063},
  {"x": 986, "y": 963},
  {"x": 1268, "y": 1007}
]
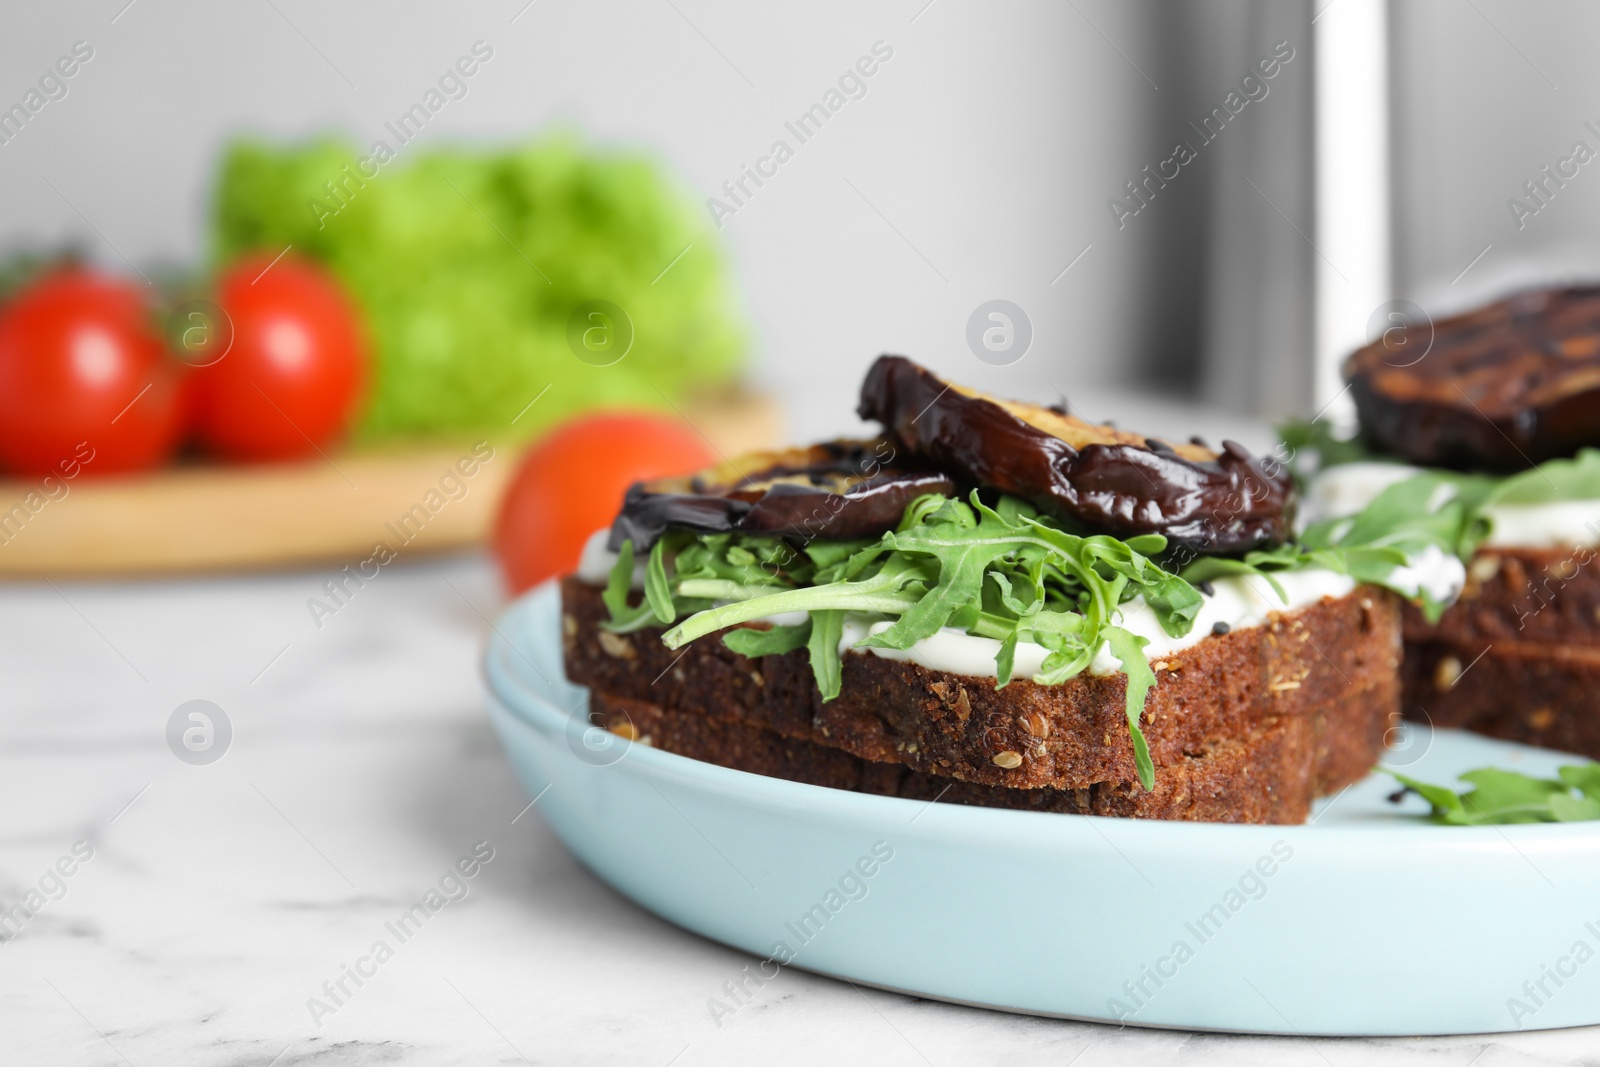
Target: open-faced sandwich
[
  {"x": 994, "y": 603},
  {"x": 1479, "y": 449}
]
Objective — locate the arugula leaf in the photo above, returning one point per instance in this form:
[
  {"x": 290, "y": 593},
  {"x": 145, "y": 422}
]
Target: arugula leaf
[
  {"x": 1363, "y": 563},
  {"x": 619, "y": 585},
  {"x": 827, "y": 627},
  {"x": 656, "y": 589},
  {"x": 892, "y": 590},
  {"x": 1508, "y": 796},
  {"x": 1258, "y": 564},
  {"x": 748, "y": 641},
  {"x": 1008, "y": 597},
  {"x": 1067, "y": 637},
  {"x": 1129, "y": 650},
  {"x": 1500, "y": 796},
  {"x": 1433, "y": 510},
  {"x": 1446, "y": 802},
  {"x": 620, "y": 582},
  {"x": 1577, "y": 478},
  {"x": 1174, "y": 600},
  {"x": 963, "y": 547},
  {"x": 1329, "y": 450},
  {"x": 827, "y": 554},
  {"x": 1567, "y": 808},
  {"x": 922, "y": 508},
  {"x": 1405, "y": 533},
  {"x": 1427, "y": 508},
  {"x": 734, "y": 566},
  {"x": 1584, "y": 777},
  {"x": 1005, "y": 661}
]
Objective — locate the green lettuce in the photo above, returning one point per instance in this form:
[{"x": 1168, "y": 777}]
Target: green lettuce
[{"x": 468, "y": 264}]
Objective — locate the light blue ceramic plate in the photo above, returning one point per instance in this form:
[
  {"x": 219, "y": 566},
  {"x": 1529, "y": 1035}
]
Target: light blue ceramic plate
[{"x": 1366, "y": 921}]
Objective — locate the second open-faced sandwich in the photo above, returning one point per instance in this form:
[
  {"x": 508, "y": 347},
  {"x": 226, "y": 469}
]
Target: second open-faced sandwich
[
  {"x": 1480, "y": 442},
  {"x": 994, "y": 603}
]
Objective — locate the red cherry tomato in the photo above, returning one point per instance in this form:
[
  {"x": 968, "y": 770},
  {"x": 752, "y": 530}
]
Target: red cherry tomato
[
  {"x": 571, "y": 484},
  {"x": 289, "y": 383},
  {"x": 85, "y": 384}
]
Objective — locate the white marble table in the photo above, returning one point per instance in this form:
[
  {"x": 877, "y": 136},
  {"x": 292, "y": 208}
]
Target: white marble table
[{"x": 220, "y": 898}]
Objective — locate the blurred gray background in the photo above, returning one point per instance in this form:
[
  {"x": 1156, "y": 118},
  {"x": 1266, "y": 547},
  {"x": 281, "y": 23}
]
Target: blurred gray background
[
  {"x": 1485, "y": 95},
  {"x": 978, "y": 166}
]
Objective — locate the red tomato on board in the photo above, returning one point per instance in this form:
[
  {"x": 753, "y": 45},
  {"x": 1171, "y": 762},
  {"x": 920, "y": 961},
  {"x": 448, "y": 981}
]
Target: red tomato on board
[
  {"x": 85, "y": 383},
  {"x": 571, "y": 483},
  {"x": 289, "y": 383}
]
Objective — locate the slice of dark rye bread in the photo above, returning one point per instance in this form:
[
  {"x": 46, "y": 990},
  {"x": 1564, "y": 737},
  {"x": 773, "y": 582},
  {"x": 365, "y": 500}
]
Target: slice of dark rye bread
[
  {"x": 1533, "y": 595},
  {"x": 1262, "y": 778},
  {"x": 1518, "y": 656},
  {"x": 1532, "y": 692},
  {"x": 1067, "y": 736}
]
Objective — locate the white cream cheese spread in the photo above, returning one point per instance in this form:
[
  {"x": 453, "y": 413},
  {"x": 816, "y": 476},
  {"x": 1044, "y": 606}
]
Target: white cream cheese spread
[{"x": 1239, "y": 601}]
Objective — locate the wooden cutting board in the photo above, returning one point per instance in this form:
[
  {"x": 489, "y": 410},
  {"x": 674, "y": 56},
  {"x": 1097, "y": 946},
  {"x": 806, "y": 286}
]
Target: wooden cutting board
[{"x": 413, "y": 498}]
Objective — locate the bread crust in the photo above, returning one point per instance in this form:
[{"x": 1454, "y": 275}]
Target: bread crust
[
  {"x": 1534, "y": 693},
  {"x": 1529, "y": 595},
  {"x": 1263, "y": 778},
  {"x": 1518, "y": 656},
  {"x": 1068, "y": 736}
]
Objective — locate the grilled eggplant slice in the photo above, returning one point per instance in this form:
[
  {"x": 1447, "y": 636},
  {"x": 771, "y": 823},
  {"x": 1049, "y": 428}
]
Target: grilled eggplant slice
[
  {"x": 1501, "y": 388},
  {"x": 837, "y": 490},
  {"x": 1099, "y": 478}
]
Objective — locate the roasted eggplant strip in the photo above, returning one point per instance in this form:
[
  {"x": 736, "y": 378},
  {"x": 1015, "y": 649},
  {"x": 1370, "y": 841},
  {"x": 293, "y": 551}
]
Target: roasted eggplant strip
[
  {"x": 1101, "y": 479},
  {"x": 1500, "y": 388},
  {"x": 837, "y": 490}
]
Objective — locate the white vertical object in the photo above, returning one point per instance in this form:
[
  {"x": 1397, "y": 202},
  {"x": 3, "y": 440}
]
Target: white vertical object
[{"x": 1351, "y": 39}]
